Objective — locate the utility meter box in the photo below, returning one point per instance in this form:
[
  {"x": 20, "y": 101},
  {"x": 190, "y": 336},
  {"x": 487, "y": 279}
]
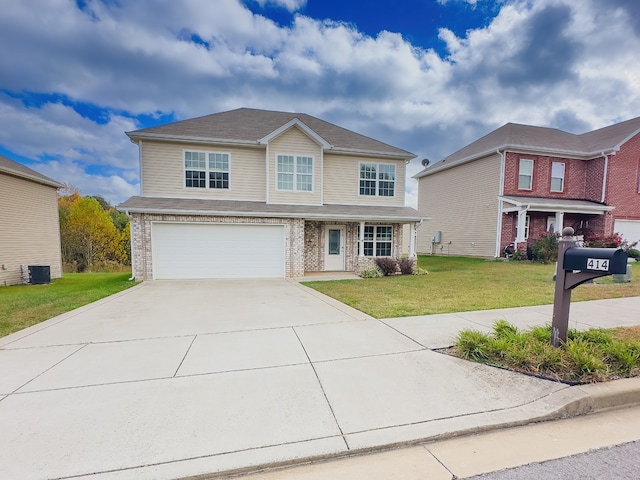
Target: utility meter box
[{"x": 603, "y": 260}]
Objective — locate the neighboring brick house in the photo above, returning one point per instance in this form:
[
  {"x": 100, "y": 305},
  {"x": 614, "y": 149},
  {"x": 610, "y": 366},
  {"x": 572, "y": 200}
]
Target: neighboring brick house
[
  {"x": 255, "y": 193},
  {"x": 520, "y": 181},
  {"x": 29, "y": 225}
]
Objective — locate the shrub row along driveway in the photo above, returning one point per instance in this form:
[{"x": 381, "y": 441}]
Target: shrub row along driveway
[{"x": 170, "y": 379}]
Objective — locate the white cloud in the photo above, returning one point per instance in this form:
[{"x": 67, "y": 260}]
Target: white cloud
[
  {"x": 555, "y": 63},
  {"x": 291, "y": 5}
]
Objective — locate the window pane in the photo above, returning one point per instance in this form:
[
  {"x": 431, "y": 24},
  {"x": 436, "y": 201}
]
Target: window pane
[
  {"x": 218, "y": 180},
  {"x": 334, "y": 242},
  {"x": 525, "y": 175},
  {"x": 367, "y": 171},
  {"x": 305, "y": 165},
  {"x": 368, "y": 249},
  {"x": 304, "y": 183},
  {"x": 285, "y": 163},
  {"x": 384, "y": 233},
  {"x": 285, "y": 181},
  {"x": 557, "y": 177},
  {"x": 387, "y": 172},
  {"x": 383, "y": 249},
  {"x": 367, "y": 187},
  {"x": 368, "y": 233},
  {"x": 385, "y": 189},
  {"x": 195, "y": 179},
  {"x": 219, "y": 162}
]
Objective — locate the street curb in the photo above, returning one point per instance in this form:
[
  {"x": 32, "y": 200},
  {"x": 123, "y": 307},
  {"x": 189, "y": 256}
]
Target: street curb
[{"x": 567, "y": 403}]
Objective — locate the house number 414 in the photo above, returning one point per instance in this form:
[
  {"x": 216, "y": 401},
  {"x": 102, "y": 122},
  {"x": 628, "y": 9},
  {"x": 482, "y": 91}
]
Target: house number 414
[{"x": 600, "y": 264}]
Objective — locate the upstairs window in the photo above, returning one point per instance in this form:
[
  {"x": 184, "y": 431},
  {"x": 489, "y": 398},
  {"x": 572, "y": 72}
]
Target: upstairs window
[
  {"x": 377, "y": 179},
  {"x": 197, "y": 170},
  {"x": 557, "y": 177},
  {"x": 218, "y": 170},
  {"x": 294, "y": 173},
  {"x": 525, "y": 175}
]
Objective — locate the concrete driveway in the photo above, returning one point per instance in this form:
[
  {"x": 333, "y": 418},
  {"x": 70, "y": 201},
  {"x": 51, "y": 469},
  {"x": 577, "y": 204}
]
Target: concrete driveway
[{"x": 178, "y": 378}]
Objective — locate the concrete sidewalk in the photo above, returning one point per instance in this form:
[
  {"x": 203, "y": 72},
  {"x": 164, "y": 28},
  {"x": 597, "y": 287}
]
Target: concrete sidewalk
[{"x": 176, "y": 379}]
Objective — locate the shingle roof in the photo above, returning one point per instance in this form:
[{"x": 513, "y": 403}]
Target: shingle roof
[
  {"x": 541, "y": 139},
  {"x": 249, "y": 126},
  {"x": 190, "y": 206},
  {"x": 17, "y": 169}
]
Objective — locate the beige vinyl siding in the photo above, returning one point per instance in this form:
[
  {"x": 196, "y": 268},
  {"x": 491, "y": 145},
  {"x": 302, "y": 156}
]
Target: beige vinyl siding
[
  {"x": 297, "y": 143},
  {"x": 342, "y": 181},
  {"x": 163, "y": 172},
  {"x": 29, "y": 228},
  {"x": 462, "y": 203}
]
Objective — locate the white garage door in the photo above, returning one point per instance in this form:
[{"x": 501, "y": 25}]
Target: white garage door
[
  {"x": 629, "y": 229},
  {"x": 189, "y": 250}
]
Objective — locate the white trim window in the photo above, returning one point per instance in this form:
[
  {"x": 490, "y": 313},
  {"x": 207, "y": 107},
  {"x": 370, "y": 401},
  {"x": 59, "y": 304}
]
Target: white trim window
[
  {"x": 525, "y": 174},
  {"x": 294, "y": 173},
  {"x": 378, "y": 240},
  {"x": 197, "y": 170},
  {"x": 377, "y": 179},
  {"x": 219, "y": 170},
  {"x": 557, "y": 177}
]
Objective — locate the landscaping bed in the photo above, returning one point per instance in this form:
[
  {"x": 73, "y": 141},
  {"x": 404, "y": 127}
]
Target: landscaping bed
[{"x": 593, "y": 355}]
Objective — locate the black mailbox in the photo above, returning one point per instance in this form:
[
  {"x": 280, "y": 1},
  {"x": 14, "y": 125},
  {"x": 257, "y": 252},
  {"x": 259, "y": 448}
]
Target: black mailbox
[{"x": 605, "y": 260}]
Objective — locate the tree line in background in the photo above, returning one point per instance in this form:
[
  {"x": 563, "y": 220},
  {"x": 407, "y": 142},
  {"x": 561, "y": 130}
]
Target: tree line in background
[{"x": 94, "y": 235}]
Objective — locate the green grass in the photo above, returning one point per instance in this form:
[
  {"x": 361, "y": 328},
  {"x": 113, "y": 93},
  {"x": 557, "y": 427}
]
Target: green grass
[
  {"x": 24, "y": 305},
  {"x": 591, "y": 356},
  {"x": 457, "y": 284}
]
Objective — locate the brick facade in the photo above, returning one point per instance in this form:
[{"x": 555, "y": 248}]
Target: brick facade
[
  {"x": 583, "y": 180},
  {"x": 304, "y": 242}
]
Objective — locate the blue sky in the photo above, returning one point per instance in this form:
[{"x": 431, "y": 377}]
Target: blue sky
[{"x": 428, "y": 76}]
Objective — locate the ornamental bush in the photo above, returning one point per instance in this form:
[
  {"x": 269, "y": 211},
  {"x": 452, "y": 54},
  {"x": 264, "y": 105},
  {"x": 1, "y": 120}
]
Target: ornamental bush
[
  {"x": 406, "y": 265},
  {"x": 371, "y": 272},
  {"x": 388, "y": 265}
]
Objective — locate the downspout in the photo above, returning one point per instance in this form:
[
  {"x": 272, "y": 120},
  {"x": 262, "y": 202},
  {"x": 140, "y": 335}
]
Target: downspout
[
  {"x": 500, "y": 194},
  {"x": 604, "y": 176}
]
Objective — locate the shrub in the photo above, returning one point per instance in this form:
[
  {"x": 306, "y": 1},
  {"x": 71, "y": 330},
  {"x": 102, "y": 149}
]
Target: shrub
[
  {"x": 388, "y": 265},
  {"x": 371, "y": 272},
  {"x": 596, "y": 241},
  {"x": 473, "y": 345},
  {"x": 634, "y": 253},
  {"x": 545, "y": 249},
  {"x": 406, "y": 265},
  {"x": 419, "y": 271}
]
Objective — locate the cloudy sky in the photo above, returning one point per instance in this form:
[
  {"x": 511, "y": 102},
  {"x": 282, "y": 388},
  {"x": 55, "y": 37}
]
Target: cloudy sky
[{"x": 428, "y": 76}]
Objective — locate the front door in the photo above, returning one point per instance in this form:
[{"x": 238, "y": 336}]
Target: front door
[{"x": 334, "y": 248}]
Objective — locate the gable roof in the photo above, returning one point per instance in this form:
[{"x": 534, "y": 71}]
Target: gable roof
[
  {"x": 246, "y": 126},
  {"x": 513, "y": 136},
  {"x": 16, "y": 169}
]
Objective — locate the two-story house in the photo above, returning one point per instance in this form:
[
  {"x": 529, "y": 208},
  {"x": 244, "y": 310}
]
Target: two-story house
[
  {"x": 253, "y": 193},
  {"x": 519, "y": 181}
]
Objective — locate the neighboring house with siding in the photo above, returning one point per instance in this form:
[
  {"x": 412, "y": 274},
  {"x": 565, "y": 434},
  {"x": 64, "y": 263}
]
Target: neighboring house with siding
[
  {"x": 520, "y": 181},
  {"x": 255, "y": 193},
  {"x": 29, "y": 225}
]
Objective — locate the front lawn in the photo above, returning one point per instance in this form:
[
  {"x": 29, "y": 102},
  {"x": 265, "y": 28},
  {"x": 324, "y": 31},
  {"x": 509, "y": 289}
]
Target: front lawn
[
  {"x": 458, "y": 284},
  {"x": 24, "y": 305}
]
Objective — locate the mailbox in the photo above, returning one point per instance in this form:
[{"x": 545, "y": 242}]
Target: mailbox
[{"x": 604, "y": 260}]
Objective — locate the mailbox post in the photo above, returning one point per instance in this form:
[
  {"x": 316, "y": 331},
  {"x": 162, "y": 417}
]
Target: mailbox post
[{"x": 577, "y": 265}]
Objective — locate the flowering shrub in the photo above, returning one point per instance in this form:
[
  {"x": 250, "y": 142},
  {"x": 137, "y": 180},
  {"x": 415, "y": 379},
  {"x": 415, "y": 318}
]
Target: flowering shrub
[
  {"x": 597, "y": 241},
  {"x": 545, "y": 249}
]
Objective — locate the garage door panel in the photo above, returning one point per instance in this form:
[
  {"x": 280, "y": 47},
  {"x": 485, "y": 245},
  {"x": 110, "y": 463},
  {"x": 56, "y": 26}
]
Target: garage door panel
[
  {"x": 217, "y": 251},
  {"x": 629, "y": 229}
]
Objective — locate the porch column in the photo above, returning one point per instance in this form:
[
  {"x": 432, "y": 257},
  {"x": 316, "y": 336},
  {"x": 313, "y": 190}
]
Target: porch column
[
  {"x": 361, "y": 240},
  {"x": 412, "y": 240},
  {"x": 559, "y": 222},
  {"x": 522, "y": 217}
]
